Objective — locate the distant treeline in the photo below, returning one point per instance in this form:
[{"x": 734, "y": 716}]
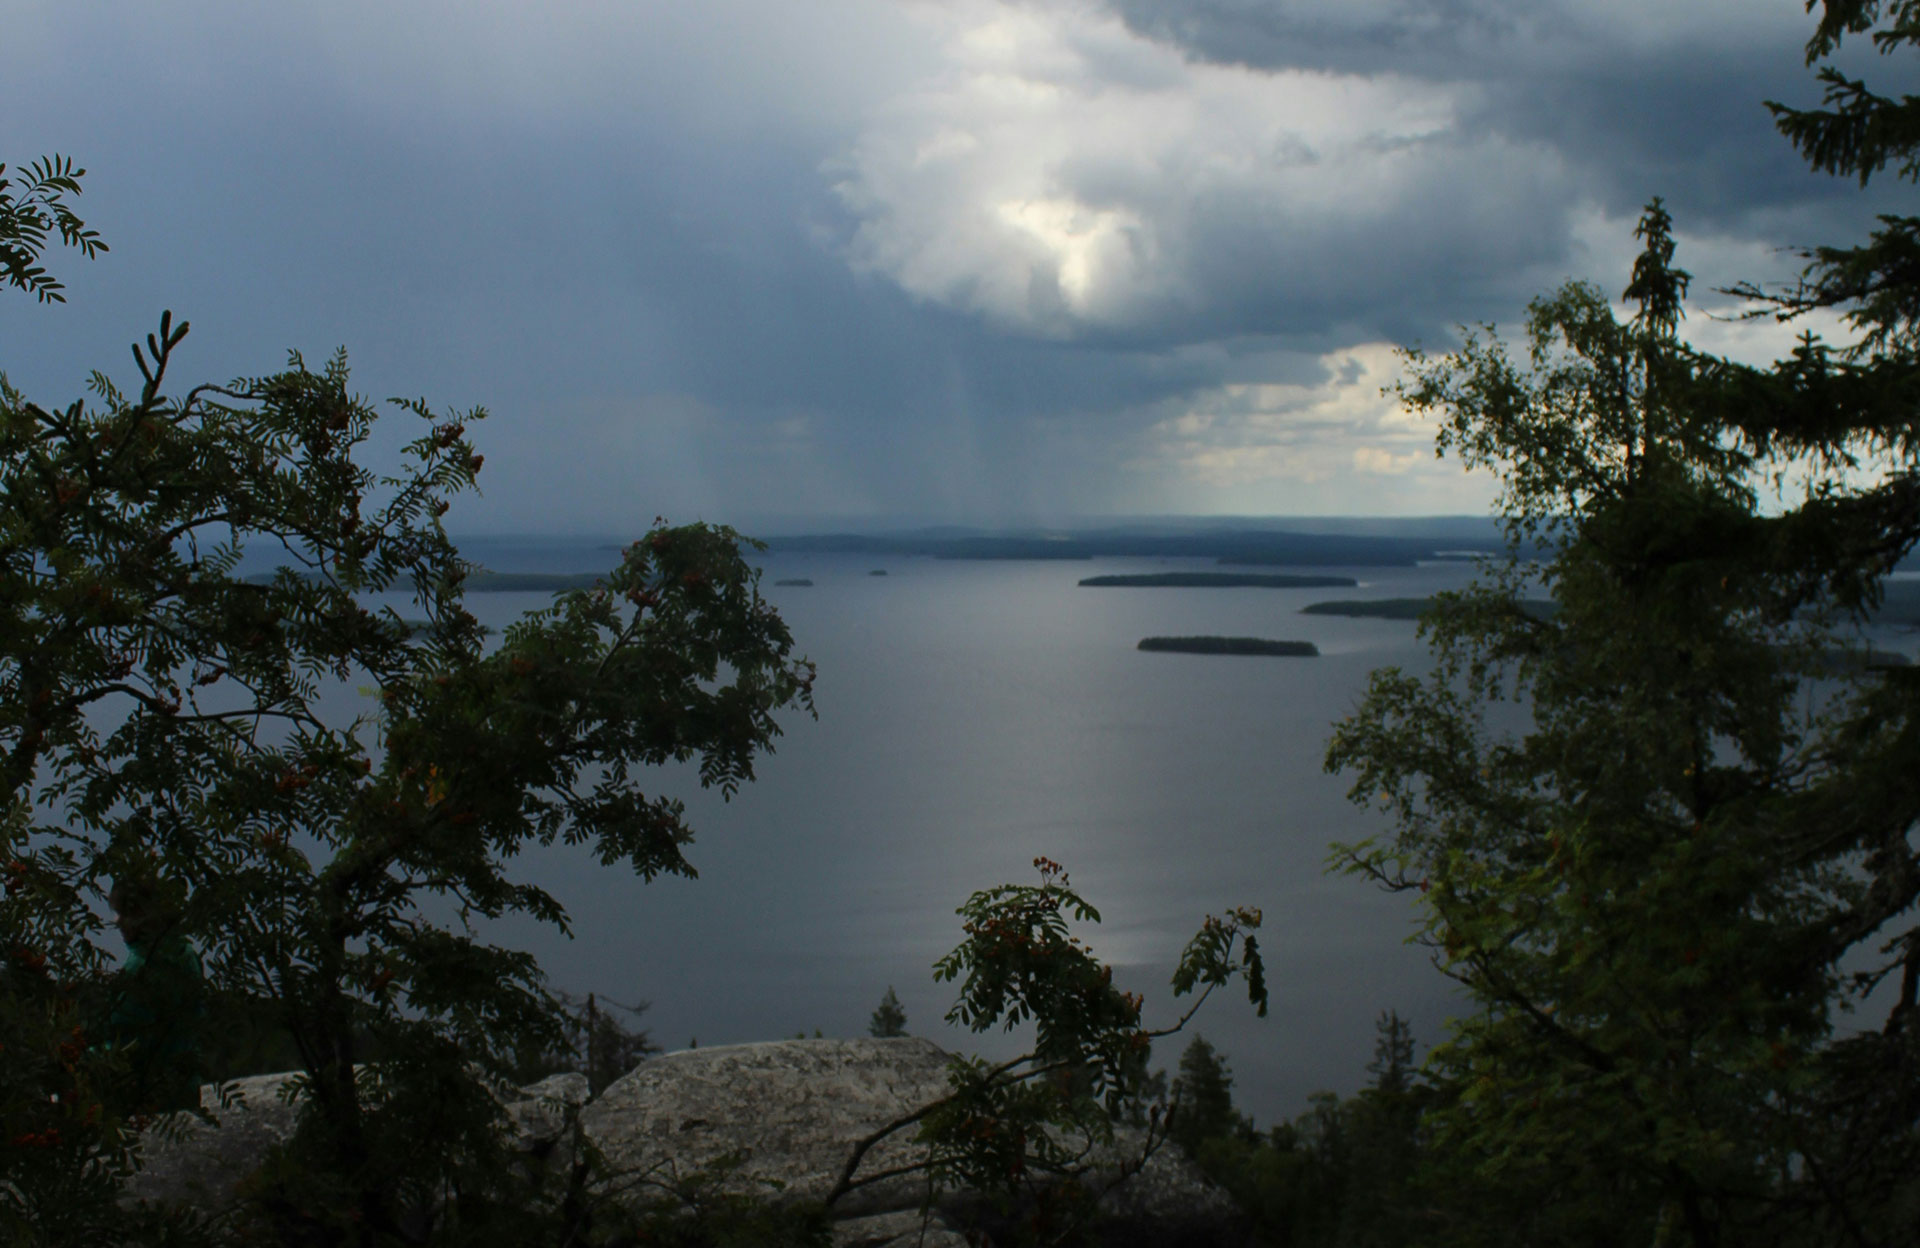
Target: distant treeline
[
  {"x": 1900, "y": 606},
  {"x": 1374, "y": 608},
  {"x": 1248, "y": 546},
  {"x": 1401, "y": 608}
]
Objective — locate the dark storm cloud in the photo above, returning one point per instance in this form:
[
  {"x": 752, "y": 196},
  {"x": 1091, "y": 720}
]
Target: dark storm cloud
[
  {"x": 965, "y": 260},
  {"x": 1641, "y": 99},
  {"x": 597, "y": 282}
]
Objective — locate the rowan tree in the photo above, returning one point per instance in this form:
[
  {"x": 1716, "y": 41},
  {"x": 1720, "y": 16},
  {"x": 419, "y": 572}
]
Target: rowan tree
[
  {"x": 34, "y": 208},
  {"x": 162, "y": 720},
  {"x": 1025, "y": 1131}
]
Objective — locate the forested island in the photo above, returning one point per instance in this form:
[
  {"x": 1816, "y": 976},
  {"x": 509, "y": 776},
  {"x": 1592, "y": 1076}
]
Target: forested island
[
  {"x": 796, "y": 581},
  {"x": 1230, "y": 645},
  {"x": 1371, "y": 608},
  {"x": 1403, "y": 608},
  {"x": 1218, "y": 580}
]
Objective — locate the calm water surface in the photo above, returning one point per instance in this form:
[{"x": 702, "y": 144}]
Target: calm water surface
[{"x": 973, "y": 715}]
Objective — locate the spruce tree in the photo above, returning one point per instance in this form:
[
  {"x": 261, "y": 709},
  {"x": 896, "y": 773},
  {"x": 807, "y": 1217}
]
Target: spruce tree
[
  {"x": 1203, "y": 1098},
  {"x": 1655, "y": 875},
  {"x": 1392, "y": 1064},
  {"x": 889, "y": 1019}
]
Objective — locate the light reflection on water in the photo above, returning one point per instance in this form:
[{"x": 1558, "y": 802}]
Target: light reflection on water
[{"x": 972, "y": 716}]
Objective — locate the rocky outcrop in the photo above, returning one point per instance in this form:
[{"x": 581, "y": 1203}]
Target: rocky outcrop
[
  {"x": 186, "y": 1159},
  {"x": 777, "y": 1121},
  {"x": 790, "y": 1111},
  {"x": 538, "y": 1113},
  {"x": 786, "y": 1116}
]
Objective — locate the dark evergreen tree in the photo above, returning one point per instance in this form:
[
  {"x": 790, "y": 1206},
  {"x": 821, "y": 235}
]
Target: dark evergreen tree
[
  {"x": 1392, "y": 1064},
  {"x": 1650, "y": 889},
  {"x": 1380, "y": 1205},
  {"x": 890, "y": 1018},
  {"x": 1202, "y": 1098},
  {"x": 1858, "y": 133}
]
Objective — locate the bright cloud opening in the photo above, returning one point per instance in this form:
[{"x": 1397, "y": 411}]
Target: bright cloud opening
[{"x": 1063, "y": 174}]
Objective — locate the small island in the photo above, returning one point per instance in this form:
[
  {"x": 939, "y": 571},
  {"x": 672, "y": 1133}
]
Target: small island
[
  {"x": 1219, "y": 580},
  {"x": 1371, "y": 608},
  {"x": 1230, "y": 645},
  {"x": 1405, "y": 608},
  {"x": 878, "y": 572},
  {"x": 795, "y": 580}
]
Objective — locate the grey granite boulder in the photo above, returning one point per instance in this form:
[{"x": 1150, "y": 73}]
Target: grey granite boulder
[
  {"x": 787, "y": 1114},
  {"x": 187, "y": 1160},
  {"x": 789, "y": 1111},
  {"x": 777, "y": 1120},
  {"x": 538, "y": 1112}
]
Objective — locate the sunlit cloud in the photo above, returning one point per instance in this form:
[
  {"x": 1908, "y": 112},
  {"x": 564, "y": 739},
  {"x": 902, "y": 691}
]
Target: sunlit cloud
[
  {"x": 1300, "y": 446},
  {"x": 970, "y": 260},
  {"x": 1064, "y": 174}
]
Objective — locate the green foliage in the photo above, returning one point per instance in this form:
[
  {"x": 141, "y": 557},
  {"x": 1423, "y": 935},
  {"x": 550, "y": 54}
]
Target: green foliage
[
  {"x": 1220, "y": 952},
  {"x": 69, "y": 1135},
  {"x": 889, "y": 1018},
  {"x": 1012, "y": 1130},
  {"x": 1020, "y": 963},
  {"x": 1345, "y": 1174},
  {"x": 159, "y": 722},
  {"x": 1858, "y": 133},
  {"x": 65, "y": 1146},
  {"x": 33, "y": 206},
  {"x": 1021, "y": 1132},
  {"x": 1648, "y": 888}
]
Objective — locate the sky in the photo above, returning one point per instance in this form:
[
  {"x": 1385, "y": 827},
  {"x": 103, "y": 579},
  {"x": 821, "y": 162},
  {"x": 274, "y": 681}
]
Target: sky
[{"x": 861, "y": 263}]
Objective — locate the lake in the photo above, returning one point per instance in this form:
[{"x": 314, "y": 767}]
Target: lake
[{"x": 973, "y": 715}]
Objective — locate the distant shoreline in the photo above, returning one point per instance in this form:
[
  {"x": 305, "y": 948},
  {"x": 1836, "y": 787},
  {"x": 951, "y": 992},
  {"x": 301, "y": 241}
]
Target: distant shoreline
[
  {"x": 1402, "y": 608},
  {"x": 1224, "y": 545}
]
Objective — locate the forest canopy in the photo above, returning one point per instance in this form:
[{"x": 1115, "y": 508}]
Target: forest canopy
[{"x": 1681, "y": 898}]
